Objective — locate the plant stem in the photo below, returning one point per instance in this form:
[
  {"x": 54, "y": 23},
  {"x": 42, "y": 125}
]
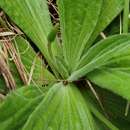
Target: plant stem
[
  {"x": 125, "y": 30},
  {"x": 125, "y": 16}
]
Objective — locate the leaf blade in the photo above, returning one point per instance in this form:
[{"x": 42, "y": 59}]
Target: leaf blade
[
  {"x": 114, "y": 80},
  {"x": 102, "y": 53},
  {"x": 33, "y": 18},
  {"x": 74, "y": 22}
]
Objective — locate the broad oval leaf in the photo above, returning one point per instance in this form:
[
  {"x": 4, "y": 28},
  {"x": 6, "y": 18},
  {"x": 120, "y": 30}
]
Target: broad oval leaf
[
  {"x": 110, "y": 9},
  {"x": 18, "y": 106},
  {"x": 78, "y": 19},
  {"x": 32, "y": 16},
  {"x": 115, "y": 79},
  {"x": 62, "y": 107},
  {"x": 81, "y": 22},
  {"x": 107, "y": 65},
  {"x": 103, "y": 53}
]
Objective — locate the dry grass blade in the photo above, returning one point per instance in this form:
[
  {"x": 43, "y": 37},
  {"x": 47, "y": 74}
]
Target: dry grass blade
[
  {"x": 1, "y": 13},
  {"x": 120, "y": 25},
  {"x": 2, "y": 34},
  {"x": 32, "y": 70},
  {"x": 5, "y": 71},
  {"x": 8, "y": 35},
  {"x": 127, "y": 108},
  {"x": 96, "y": 96},
  {"x": 17, "y": 60},
  {"x": 103, "y": 35}
]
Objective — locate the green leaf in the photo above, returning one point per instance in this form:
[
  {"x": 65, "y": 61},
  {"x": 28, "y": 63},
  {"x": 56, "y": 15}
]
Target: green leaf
[
  {"x": 102, "y": 121},
  {"x": 40, "y": 75},
  {"x": 78, "y": 20},
  {"x": 100, "y": 125},
  {"x": 126, "y": 16},
  {"x": 31, "y": 63},
  {"x": 18, "y": 106},
  {"x": 102, "y": 118},
  {"x": 60, "y": 107},
  {"x": 110, "y": 9},
  {"x": 33, "y": 18},
  {"x": 81, "y": 22},
  {"x": 103, "y": 53},
  {"x": 116, "y": 80},
  {"x": 115, "y": 106},
  {"x": 27, "y": 56}
]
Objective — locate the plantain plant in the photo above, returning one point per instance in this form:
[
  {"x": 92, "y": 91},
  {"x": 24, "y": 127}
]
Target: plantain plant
[{"x": 78, "y": 65}]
